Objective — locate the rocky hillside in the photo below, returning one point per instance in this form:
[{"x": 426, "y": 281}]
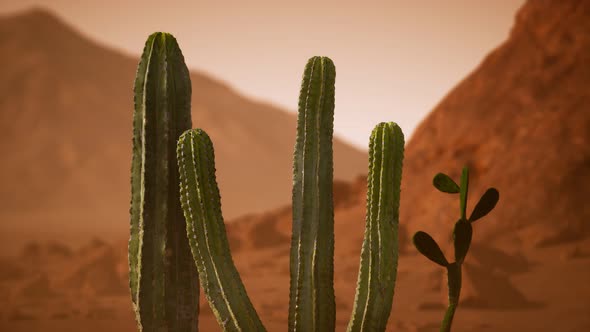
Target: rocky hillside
[{"x": 521, "y": 122}]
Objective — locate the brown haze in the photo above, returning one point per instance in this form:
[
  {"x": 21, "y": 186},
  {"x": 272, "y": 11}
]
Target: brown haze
[
  {"x": 65, "y": 129},
  {"x": 395, "y": 58},
  {"x": 521, "y": 121}
]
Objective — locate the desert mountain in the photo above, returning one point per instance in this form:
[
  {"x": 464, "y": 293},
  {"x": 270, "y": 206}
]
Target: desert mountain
[
  {"x": 65, "y": 133},
  {"x": 521, "y": 122}
]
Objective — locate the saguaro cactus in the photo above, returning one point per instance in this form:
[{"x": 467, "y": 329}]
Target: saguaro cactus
[
  {"x": 163, "y": 277},
  {"x": 312, "y": 303},
  {"x": 378, "y": 266},
  {"x": 462, "y": 234}
]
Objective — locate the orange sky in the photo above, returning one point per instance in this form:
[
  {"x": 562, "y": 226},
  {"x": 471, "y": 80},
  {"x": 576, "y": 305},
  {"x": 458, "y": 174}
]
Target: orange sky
[{"x": 394, "y": 59}]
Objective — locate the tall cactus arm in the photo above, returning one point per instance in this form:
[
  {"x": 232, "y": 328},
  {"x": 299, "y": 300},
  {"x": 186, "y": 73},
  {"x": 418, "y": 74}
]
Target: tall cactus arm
[
  {"x": 163, "y": 276},
  {"x": 378, "y": 266},
  {"x": 208, "y": 240},
  {"x": 312, "y": 303}
]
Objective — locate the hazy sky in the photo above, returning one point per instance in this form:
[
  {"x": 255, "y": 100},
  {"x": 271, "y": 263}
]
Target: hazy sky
[{"x": 395, "y": 60}]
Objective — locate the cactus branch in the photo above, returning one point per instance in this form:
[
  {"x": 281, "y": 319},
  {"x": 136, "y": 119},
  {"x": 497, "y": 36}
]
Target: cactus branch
[
  {"x": 206, "y": 232},
  {"x": 379, "y": 254},
  {"x": 463, "y": 192},
  {"x": 312, "y": 303},
  {"x": 454, "y": 284},
  {"x": 163, "y": 277},
  {"x": 462, "y": 239}
]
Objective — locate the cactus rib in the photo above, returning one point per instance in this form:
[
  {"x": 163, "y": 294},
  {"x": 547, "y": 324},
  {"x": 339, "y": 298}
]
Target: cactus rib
[
  {"x": 379, "y": 254},
  {"x": 208, "y": 240},
  {"x": 312, "y": 303},
  {"x": 163, "y": 277}
]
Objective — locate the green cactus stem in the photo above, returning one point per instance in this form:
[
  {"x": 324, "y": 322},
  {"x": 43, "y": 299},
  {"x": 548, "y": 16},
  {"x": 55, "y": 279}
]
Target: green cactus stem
[
  {"x": 462, "y": 239},
  {"x": 312, "y": 303},
  {"x": 163, "y": 277},
  {"x": 379, "y": 254},
  {"x": 208, "y": 240},
  {"x": 462, "y": 235},
  {"x": 463, "y": 190},
  {"x": 454, "y": 285}
]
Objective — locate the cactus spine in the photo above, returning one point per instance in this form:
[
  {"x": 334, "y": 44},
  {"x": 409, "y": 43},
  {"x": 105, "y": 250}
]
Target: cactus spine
[
  {"x": 163, "y": 277},
  {"x": 462, "y": 234},
  {"x": 378, "y": 266},
  {"x": 312, "y": 304},
  {"x": 206, "y": 232}
]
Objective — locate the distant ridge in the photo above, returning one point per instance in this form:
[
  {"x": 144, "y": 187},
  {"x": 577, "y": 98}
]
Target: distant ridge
[{"x": 65, "y": 131}]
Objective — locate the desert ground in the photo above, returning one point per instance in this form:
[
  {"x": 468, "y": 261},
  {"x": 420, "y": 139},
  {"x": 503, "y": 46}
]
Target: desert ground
[{"x": 509, "y": 285}]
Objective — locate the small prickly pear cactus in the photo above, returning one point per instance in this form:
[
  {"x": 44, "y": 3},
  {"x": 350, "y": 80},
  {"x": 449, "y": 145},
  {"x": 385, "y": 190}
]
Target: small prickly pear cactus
[
  {"x": 462, "y": 233},
  {"x": 163, "y": 277}
]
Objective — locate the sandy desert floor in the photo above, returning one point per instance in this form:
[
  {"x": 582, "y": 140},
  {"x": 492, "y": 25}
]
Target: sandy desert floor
[{"x": 50, "y": 287}]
